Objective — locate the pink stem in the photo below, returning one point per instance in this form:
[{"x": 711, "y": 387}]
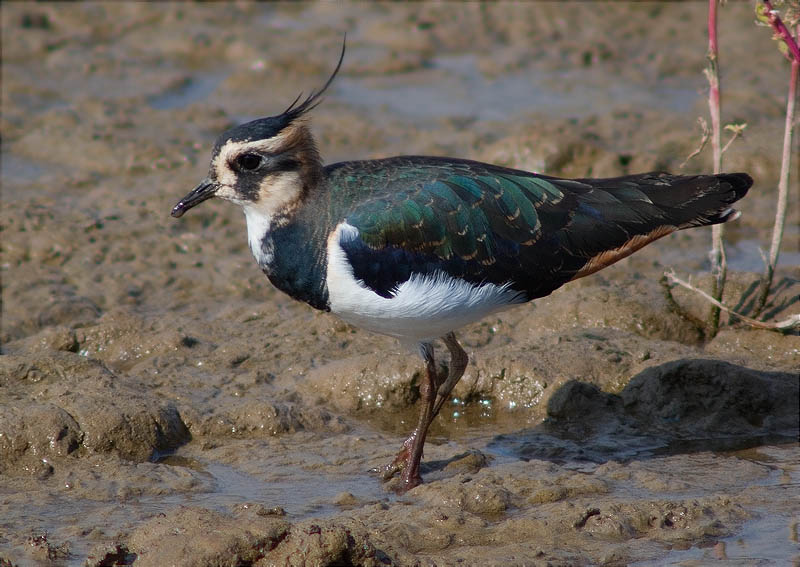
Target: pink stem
[
  {"x": 713, "y": 82},
  {"x": 719, "y": 263},
  {"x": 780, "y": 28}
]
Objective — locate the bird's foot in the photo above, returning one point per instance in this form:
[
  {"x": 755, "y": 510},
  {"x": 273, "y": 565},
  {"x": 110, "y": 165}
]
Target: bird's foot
[
  {"x": 399, "y": 462},
  {"x": 409, "y": 474},
  {"x": 409, "y": 478}
]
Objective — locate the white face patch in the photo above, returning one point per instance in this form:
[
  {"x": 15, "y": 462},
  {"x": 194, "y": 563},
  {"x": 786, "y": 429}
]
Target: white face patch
[
  {"x": 424, "y": 308},
  {"x": 277, "y": 191},
  {"x": 220, "y": 165}
]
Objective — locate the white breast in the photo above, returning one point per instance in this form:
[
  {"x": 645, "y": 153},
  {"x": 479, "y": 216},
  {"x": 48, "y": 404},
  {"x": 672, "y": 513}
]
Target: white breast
[
  {"x": 422, "y": 309},
  {"x": 258, "y": 227}
]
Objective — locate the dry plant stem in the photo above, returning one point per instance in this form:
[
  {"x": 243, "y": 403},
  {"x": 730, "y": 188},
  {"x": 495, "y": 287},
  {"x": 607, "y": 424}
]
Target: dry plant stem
[
  {"x": 706, "y": 135},
  {"x": 673, "y": 306},
  {"x": 719, "y": 264},
  {"x": 703, "y": 141},
  {"x": 783, "y": 185},
  {"x": 793, "y": 322},
  {"x": 736, "y": 134}
]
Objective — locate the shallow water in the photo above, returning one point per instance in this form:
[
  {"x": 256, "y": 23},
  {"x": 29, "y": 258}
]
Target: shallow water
[
  {"x": 453, "y": 87},
  {"x": 768, "y": 539}
]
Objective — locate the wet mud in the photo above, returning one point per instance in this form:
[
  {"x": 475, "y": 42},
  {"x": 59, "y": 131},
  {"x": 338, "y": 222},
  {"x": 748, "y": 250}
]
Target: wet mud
[{"x": 161, "y": 403}]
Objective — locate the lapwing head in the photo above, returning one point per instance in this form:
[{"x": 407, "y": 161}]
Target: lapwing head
[{"x": 266, "y": 165}]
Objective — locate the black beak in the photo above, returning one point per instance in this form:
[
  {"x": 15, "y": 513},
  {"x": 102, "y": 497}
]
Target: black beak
[{"x": 201, "y": 193}]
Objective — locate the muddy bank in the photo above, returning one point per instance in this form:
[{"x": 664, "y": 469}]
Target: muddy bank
[{"x": 161, "y": 403}]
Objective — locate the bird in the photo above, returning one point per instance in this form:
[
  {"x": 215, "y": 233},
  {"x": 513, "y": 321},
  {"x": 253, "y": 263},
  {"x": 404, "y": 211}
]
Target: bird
[{"x": 416, "y": 247}]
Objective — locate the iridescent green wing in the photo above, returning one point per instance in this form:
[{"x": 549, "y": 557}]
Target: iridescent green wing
[{"x": 466, "y": 219}]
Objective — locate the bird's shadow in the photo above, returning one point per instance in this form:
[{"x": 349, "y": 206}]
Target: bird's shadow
[{"x": 679, "y": 407}]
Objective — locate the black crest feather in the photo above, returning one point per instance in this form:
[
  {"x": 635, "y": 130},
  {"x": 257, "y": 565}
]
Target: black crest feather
[
  {"x": 297, "y": 110},
  {"x": 265, "y": 128}
]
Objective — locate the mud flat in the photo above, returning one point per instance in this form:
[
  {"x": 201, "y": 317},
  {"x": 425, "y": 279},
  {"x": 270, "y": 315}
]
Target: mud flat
[{"x": 161, "y": 403}]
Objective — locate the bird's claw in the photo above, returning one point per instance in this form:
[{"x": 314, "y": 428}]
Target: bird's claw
[{"x": 408, "y": 478}]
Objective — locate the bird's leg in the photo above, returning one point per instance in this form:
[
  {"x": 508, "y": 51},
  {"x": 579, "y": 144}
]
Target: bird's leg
[
  {"x": 458, "y": 364},
  {"x": 434, "y": 393},
  {"x": 408, "y": 459},
  {"x": 410, "y": 476}
]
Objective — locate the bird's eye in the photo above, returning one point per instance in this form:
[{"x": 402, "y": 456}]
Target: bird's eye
[{"x": 248, "y": 162}]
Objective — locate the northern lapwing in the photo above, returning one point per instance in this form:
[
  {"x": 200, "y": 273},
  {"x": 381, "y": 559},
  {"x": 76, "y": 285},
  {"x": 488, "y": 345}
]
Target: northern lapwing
[{"x": 415, "y": 247}]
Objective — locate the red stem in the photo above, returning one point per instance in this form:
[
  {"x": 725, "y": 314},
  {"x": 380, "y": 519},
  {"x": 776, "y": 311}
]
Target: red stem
[
  {"x": 780, "y": 28},
  {"x": 713, "y": 84},
  {"x": 719, "y": 263},
  {"x": 712, "y": 27}
]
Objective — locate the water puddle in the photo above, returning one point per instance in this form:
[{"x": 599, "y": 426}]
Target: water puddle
[
  {"x": 769, "y": 539},
  {"x": 19, "y": 169},
  {"x": 455, "y": 87},
  {"x": 299, "y": 492},
  {"x": 745, "y": 255},
  {"x": 188, "y": 91}
]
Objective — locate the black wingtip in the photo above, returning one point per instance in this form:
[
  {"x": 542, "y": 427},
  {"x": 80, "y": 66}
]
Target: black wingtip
[
  {"x": 739, "y": 182},
  {"x": 731, "y": 187}
]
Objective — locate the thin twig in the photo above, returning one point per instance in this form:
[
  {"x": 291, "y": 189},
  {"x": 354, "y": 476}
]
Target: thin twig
[
  {"x": 703, "y": 141},
  {"x": 783, "y": 187},
  {"x": 793, "y": 322},
  {"x": 737, "y": 130}
]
